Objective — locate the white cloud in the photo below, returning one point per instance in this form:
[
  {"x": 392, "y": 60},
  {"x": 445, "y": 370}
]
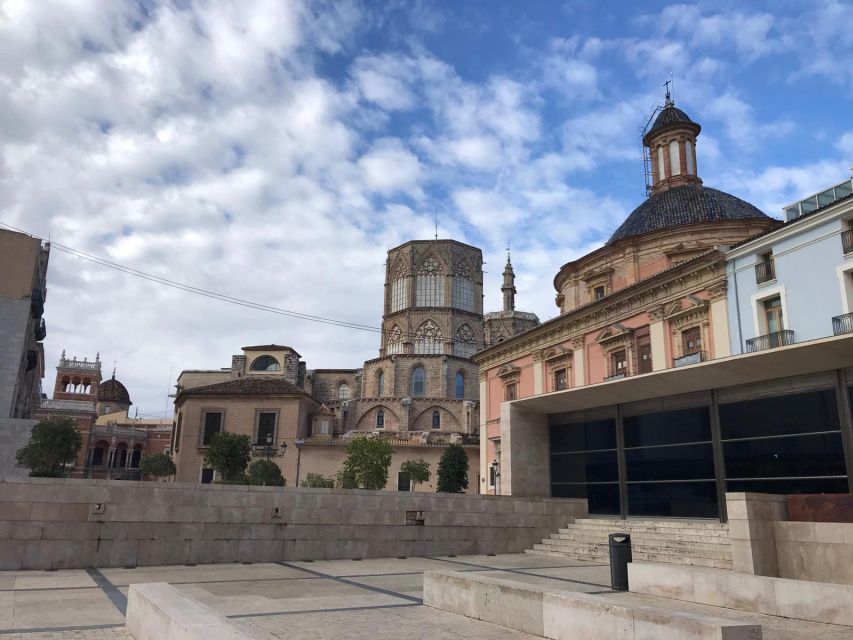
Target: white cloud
[{"x": 389, "y": 167}]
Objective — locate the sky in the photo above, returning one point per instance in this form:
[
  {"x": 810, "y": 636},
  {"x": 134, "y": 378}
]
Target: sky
[{"x": 274, "y": 150}]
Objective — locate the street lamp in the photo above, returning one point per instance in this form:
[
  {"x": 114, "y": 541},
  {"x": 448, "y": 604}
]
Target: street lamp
[
  {"x": 496, "y": 470},
  {"x": 270, "y": 451}
]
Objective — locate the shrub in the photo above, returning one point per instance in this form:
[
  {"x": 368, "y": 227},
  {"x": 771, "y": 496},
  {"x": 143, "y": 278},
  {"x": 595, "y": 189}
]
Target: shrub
[
  {"x": 157, "y": 465},
  {"x": 265, "y": 473},
  {"x": 229, "y": 454},
  {"x": 54, "y": 443},
  {"x": 417, "y": 471},
  {"x": 367, "y": 462},
  {"x": 453, "y": 470},
  {"x": 318, "y": 481}
]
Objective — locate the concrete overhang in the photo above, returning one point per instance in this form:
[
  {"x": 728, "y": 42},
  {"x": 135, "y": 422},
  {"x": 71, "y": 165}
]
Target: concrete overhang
[{"x": 825, "y": 354}]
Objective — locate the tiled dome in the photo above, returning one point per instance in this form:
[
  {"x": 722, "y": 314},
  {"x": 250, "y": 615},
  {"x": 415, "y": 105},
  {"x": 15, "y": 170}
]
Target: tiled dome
[
  {"x": 671, "y": 115},
  {"x": 113, "y": 391},
  {"x": 687, "y": 204}
]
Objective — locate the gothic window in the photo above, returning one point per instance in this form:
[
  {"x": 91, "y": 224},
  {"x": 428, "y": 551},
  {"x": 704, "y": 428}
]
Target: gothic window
[
  {"x": 428, "y": 338},
  {"x": 464, "y": 345},
  {"x": 460, "y": 385},
  {"x": 343, "y": 391},
  {"x": 380, "y": 384},
  {"x": 395, "y": 340},
  {"x": 463, "y": 288},
  {"x": 418, "y": 382},
  {"x": 266, "y": 363},
  {"x": 380, "y": 419},
  {"x": 429, "y": 286},
  {"x": 399, "y": 294},
  {"x": 436, "y": 420}
]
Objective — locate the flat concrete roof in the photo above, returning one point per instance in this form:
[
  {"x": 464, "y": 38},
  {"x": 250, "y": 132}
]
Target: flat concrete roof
[{"x": 815, "y": 356}]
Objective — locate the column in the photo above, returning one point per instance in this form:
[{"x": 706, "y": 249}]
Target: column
[
  {"x": 657, "y": 336},
  {"x": 579, "y": 361},
  {"x": 484, "y": 432},
  {"x": 538, "y": 374},
  {"x": 720, "y": 321}
]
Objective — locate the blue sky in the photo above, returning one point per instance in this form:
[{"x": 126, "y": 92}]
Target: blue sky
[{"x": 275, "y": 150}]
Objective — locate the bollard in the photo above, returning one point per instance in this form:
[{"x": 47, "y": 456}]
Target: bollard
[{"x": 620, "y": 556}]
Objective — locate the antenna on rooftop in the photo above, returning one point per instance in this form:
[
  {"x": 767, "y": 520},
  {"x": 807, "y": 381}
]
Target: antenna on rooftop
[{"x": 435, "y": 213}]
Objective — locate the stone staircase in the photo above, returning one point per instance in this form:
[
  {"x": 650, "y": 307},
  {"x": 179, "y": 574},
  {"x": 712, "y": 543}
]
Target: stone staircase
[{"x": 698, "y": 543}]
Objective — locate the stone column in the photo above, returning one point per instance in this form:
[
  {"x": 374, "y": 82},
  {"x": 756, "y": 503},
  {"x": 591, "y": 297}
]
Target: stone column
[
  {"x": 525, "y": 452},
  {"x": 720, "y": 320},
  {"x": 538, "y": 374},
  {"x": 484, "y": 432},
  {"x": 657, "y": 336},
  {"x": 751, "y": 531},
  {"x": 579, "y": 361}
]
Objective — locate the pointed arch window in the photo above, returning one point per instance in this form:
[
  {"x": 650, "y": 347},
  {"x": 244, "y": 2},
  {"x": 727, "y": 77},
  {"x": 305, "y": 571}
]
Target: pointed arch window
[
  {"x": 418, "y": 382},
  {"x": 463, "y": 288},
  {"x": 343, "y": 391},
  {"x": 460, "y": 385},
  {"x": 395, "y": 341},
  {"x": 429, "y": 285},
  {"x": 428, "y": 338},
  {"x": 380, "y": 419},
  {"x": 436, "y": 420},
  {"x": 380, "y": 384},
  {"x": 464, "y": 345}
]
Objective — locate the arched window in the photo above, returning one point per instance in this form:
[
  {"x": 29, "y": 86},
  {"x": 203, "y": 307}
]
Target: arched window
[
  {"x": 380, "y": 419},
  {"x": 266, "y": 363},
  {"x": 395, "y": 341},
  {"x": 418, "y": 382},
  {"x": 429, "y": 285},
  {"x": 343, "y": 391},
  {"x": 380, "y": 384},
  {"x": 428, "y": 338},
  {"x": 436, "y": 420},
  {"x": 464, "y": 345},
  {"x": 463, "y": 288},
  {"x": 399, "y": 289},
  {"x": 460, "y": 385}
]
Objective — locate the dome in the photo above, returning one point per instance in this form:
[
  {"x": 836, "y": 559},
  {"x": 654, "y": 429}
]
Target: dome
[
  {"x": 670, "y": 115},
  {"x": 687, "y": 204},
  {"x": 113, "y": 391}
]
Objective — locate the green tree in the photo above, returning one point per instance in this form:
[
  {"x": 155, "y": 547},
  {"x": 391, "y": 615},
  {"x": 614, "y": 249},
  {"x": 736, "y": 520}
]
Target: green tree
[
  {"x": 157, "y": 465},
  {"x": 453, "y": 470},
  {"x": 54, "y": 442},
  {"x": 417, "y": 471},
  {"x": 318, "y": 481},
  {"x": 367, "y": 462},
  {"x": 229, "y": 454},
  {"x": 345, "y": 479},
  {"x": 265, "y": 473}
]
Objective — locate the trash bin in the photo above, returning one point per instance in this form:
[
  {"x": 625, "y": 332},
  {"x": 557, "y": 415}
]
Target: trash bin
[{"x": 620, "y": 556}]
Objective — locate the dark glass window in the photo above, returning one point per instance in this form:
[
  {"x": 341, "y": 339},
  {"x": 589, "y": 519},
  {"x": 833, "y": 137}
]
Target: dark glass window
[
  {"x": 380, "y": 419},
  {"x": 212, "y": 426},
  {"x": 177, "y": 435},
  {"x": 511, "y": 391},
  {"x": 809, "y": 455},
  {"x": 598, "y": 293},
  {"x": 266, "y": 427},
  {"x": 436, "y": 420},
  {"x": 98, "y": 456},
  {"x": 673, "y": 499},
  {"x": 602, "y": 499},
  {"x": 644, "y": 355},
  {"x": 266, "y": 363},
  {"x": 780, "y": 415},
  {"x": 560, "y": 379},
  {"x": 584, "y": 436},
  {"x": 682, "y": 462},
  {"x": 669, "y": 427},
  {"x": 380, "y": 384},
  {"x": 206, "y": 476},
  {"x": 460, "y": 385},
  {"x": 596, "y": 466},
  {"x": 418, "y": 382},
  {"x": 791, "y": 485}
]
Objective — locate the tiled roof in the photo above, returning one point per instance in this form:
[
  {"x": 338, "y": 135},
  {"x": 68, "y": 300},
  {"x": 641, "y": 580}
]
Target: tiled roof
[
  {"x": 267, "y": 347},
  {"x": 254, "y": 385},
  {"x": 687, "y": 204},
  {"x": 671, "y": 115},
  {"x": 113, "y": 391}
]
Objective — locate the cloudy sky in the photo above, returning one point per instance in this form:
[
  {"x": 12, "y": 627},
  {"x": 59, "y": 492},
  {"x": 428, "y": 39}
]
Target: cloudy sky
[{"x": 274, "y": 150}]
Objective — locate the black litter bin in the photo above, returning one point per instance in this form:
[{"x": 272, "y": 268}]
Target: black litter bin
[{"x": 620, "y": 556}]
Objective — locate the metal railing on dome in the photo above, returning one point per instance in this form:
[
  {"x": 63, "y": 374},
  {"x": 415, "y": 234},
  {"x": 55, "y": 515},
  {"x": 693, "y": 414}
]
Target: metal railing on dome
[{"x": 819, "y": 200}]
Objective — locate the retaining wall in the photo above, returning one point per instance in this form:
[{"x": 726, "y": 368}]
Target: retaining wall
[{"x": 63, "y": 524}]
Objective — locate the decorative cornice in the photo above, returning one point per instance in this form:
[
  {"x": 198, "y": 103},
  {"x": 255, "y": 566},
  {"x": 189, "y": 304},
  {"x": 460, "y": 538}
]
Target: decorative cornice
[{"x": 655, "y": 314}]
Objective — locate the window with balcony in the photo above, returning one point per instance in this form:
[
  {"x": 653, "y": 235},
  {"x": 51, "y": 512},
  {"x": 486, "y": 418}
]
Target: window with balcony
[
  {"x": 847, "y": 237},
  {"x": 765, "y": 271},
  {"x": 619, "y": 364},
  {"x": 776, "y": 335}
]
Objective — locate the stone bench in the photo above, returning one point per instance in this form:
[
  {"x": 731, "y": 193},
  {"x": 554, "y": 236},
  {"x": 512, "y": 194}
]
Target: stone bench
[
  {"x": 570, "y": 615},
  {"x": 801, "y": 599},
  {"x": 157, "y": 610}
]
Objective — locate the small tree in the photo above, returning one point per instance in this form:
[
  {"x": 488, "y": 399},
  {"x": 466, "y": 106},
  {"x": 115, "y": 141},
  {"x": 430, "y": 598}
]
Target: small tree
[
  {"x": 345, "y": 479},
  {"x": 367, "y": 462},
  {"x": 54, "y": 442},
  {"x": 157, "y": 465},
  {"x": 416, "y": 470},
  {"x": 318, "y": 481},
  {"x": 229, "y": 454},
  {"x": 453, "y": 470},
  {"x": 265, "y": 473}
]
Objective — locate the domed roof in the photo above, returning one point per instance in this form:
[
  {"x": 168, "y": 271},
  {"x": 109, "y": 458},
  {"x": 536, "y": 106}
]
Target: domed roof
[
  {"x": 687, "y": 204},
  {"x": 670, "y": 115},
  {"x": 113, "y": 391}
]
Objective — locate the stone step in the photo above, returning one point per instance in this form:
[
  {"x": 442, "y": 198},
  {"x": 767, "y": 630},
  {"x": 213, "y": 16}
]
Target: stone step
[
  {"x": 639, "y": 525},
  {"x": 567, "y": 556},
  {"x": 639, "y": 538},
  {"x": 602, "y": 549},
  {"x": 639, "y": 556},
  {"x": 640, "y": 544}
]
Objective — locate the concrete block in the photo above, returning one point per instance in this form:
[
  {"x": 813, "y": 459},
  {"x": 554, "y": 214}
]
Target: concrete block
[
  {"x": 510, "y": 604},
  {"x": 450, "y": 591},
  {"x": 158, "y": 610},
  {"x": 815, "y": 601}
]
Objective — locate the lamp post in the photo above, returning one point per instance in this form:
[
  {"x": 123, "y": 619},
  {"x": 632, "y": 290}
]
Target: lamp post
[
  {"x": 270, "y": 451},
  {"x": 496, "y": 469}
]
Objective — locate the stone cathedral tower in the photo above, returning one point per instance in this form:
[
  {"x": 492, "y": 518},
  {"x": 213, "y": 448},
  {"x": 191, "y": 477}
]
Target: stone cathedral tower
[{"x": 503, "y": 325}]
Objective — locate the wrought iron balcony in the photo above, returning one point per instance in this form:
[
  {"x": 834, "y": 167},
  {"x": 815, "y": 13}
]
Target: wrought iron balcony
[
  {"x": 691, "y": 358},
  {"x": 847, "y": 241},
  {"x": 770, "y": 341},
  {"x": 616, "y": 376},
  {"x": 842, "y": 324},
  {"x": 765, "y": 271}
]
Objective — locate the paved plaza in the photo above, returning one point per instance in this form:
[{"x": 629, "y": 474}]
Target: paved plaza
[{"x": 336, "y": 599}]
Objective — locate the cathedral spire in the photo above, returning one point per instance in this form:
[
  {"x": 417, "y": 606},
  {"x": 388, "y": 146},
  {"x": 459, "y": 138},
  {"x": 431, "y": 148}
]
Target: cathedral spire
[{"x": 508, "y": 287}]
